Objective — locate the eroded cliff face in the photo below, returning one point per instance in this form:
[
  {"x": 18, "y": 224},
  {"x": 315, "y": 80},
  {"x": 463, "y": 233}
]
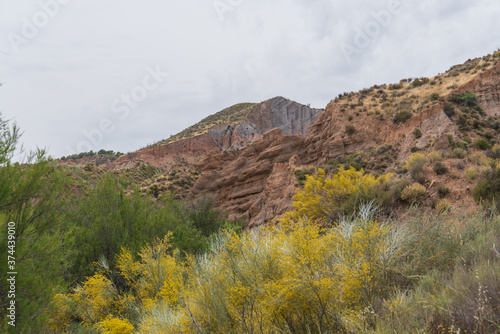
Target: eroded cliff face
[
  {"x": 259, "y": 181},
  {"x": 487, "y": 89},
  {"x": 290, "y": 117},
  {"x": 327, "y": 138}
]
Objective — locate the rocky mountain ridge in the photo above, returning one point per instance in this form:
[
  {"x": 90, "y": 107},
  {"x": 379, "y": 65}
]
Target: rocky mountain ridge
[
  {"x": 259, "y": 181},
  {"x": 249, "y": 166},
  {"x": 291, "y": 117}
]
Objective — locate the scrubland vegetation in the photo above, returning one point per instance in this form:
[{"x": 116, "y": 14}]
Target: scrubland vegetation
[
  {"x": 336, "y": 264},
  {"x": 430, "y": 273},
  {"x": 368, "y": 248},
  {"x": 341, "y": 262}
]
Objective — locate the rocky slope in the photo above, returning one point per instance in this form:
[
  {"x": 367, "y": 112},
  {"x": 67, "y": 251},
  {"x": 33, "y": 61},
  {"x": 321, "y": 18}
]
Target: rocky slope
[
  {"x": 248, "y": 161},
  {"x": 291, "y": 117},
  {"x": 259, "y": 181}
]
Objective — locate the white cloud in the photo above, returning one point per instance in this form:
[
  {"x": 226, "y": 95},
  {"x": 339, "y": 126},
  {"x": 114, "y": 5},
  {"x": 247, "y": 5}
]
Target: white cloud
[{"x": 65, "y": 79}]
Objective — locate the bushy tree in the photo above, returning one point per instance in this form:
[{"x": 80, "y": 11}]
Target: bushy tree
[{"x": 29, "y": 198}]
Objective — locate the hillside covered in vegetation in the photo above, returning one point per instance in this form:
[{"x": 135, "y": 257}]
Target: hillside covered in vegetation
[{"x": 379, "y": 214}]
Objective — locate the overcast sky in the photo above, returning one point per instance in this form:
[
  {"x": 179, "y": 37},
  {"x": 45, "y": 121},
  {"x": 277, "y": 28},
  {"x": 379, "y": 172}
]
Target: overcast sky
[{"x": 121, "y": 74}]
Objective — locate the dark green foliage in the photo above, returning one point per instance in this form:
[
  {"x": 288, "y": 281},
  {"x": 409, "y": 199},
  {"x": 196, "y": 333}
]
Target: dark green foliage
[
  {"x": 419, "y": 82},
  {"x": 30, "y": 198},
  {"x": 402, "y": 116},
  {"x": 102, "y": 152},
  {"x": 395, "y": 86},
  {"x": 449, "y": 110},
  {"x": 469, "y": 110},
  {"x": 302, "y": 173},
  {"x": 495, "y": 124},
  {"x": 383, "y": 149},
  {"x": 467, "y": 99},
  {"x": 357, "y": 160},
  {"x": 417, "y": 133},
  {"x": 439, "y": 168},
  {"x": 462, "y": 121},
  {"x": 207, "y": 220},
  {"x": 487, "y": 189},
  {"x": 350, "y": 129},
  {"x": 482, "y": 144},
  {"x": 442, "y": 190},
  {"x": 108, "y": 220},
  {"x": 67, "y": 218},
  {"x": 434, "y": 97}
]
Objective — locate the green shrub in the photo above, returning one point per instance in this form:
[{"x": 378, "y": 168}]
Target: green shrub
[
  {"x": 106, "y": 220},
  {"x": 435, "y": 156},
  {"x": 482, "y": 144},
  {"x": 350, "y": 129},
  {"x": 459, "y": 153},
  {"x": 302, "y": 173},
  {"x": 419, "y": 82},
  {"x": 402, "y": 116},
  {"x": 449, "y": 110},
  {"x": 415, "y": 166},
  {"x": 395, "y": 86},
  {"x": 460, "y": 164},
  {"x": 495, "y": 151},
  {"x": 442, "y": 190},
  {"x": 417, "y": 133},
  {"x": 467, "y": 99},
  {"x": 413, "y": 193},
  {"x": 434, "y": 97},
  {"x": 439, "y": 168},
  {"x": 443, "y": 206},
  {"x": 471, "y": 173},
  {"x": 461, "y": 144},
  {"x": 487, "y": 189}
]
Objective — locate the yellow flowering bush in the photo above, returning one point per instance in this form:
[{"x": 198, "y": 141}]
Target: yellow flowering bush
[
  {"x": 413, "y": 193},
  {"x": 325, "y": 199},
  {"x": 296, "y": 277}
]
